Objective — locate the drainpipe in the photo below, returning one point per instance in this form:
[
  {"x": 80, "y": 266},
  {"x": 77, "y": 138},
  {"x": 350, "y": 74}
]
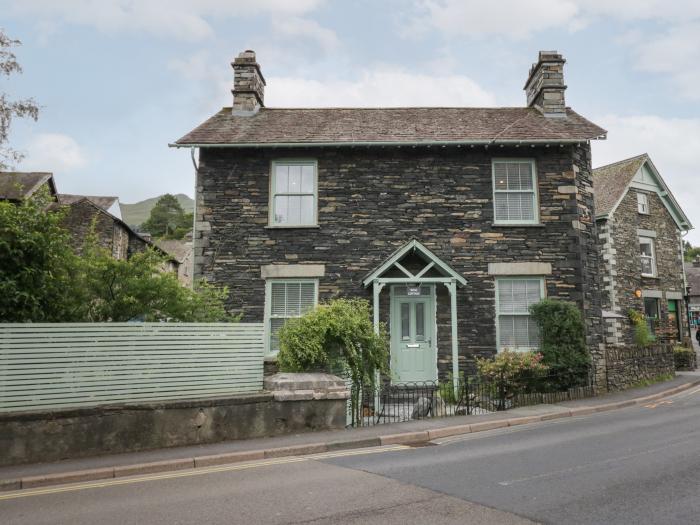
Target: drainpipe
[{"x": 194, "y": 214}]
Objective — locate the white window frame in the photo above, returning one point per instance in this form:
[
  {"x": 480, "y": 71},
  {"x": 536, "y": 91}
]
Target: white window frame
[
  {"x": 534, "y": 191},
  {"x": 268, "y": 307},
  {"x": 650, "y": 242},
  {"x": 642, "y": 203},
  {"x": 271, "y": 205},
  {"x": 498, "y": 280}
]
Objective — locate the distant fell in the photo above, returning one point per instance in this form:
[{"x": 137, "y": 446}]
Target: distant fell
[{"x": 137, "y": 213}]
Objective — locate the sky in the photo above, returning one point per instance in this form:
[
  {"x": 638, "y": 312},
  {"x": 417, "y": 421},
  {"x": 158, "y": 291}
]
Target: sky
[{"x": 118, "y": 80}]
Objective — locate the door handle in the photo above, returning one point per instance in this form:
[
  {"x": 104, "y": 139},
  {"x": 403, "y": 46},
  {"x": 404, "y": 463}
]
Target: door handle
[{"x": 412, "y": 346}]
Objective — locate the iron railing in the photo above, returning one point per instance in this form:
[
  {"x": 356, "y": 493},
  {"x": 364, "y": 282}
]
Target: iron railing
[{"x": 397, "y": 402}]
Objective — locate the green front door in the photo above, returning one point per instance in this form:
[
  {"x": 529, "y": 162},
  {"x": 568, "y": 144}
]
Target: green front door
[{"x": 413, "y": 355}]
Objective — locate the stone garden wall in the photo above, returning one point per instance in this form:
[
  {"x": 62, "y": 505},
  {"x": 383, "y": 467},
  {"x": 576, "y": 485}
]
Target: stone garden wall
[{"x": 629, "y": 365}]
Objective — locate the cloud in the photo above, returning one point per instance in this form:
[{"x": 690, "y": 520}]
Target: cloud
[
  {"x": 672, "y": 144},
  {"x": 181, "y": 19},
  {"x": 292, "y": 27},
  {"x": 53, "y": 152},
  {"x": 380, "y": 86}
]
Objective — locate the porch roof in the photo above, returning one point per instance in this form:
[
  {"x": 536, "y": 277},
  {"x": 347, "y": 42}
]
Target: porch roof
[{"x": 432, "y": 260}]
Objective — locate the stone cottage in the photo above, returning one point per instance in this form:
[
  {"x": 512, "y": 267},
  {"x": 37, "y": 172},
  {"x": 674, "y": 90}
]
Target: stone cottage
[
  {"x": 640, "y": 228},
  {"x": 15, "y": 186},
  {"x": 451, "y": 221}
]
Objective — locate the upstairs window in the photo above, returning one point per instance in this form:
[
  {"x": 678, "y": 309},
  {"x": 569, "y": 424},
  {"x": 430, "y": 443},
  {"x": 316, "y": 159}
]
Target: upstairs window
[
  {"x": 643, "y": 203},
  {"x": 288, "y": 299},
  {"x": 515, "y": 327},
  {"x": 293, "y": 193},
  {"x": 647, "y": 256},
  {"x": 515, "y": 192}
]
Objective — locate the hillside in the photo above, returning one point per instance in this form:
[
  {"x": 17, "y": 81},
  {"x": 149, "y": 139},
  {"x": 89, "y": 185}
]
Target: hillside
[{"x": 137, "y": 213}]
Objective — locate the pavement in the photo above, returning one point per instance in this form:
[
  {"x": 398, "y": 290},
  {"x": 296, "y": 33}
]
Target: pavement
[
  {"x": 106, "y": 467},
  {"x": 635, "y": 464}
]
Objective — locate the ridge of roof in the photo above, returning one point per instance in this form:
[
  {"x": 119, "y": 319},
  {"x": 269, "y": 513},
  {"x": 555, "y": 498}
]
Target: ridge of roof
[{"x": 623, "y": 161}]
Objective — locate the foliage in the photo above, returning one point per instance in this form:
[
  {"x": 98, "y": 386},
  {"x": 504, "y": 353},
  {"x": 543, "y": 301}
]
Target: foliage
[
  {"x": 563, "y": 342},
  {"x": 684, "y": 358},
  {"x": 137, "y": 288},
  {"x": 42, "y": 279},
  {"x": 167, "y": 219},
  {"x": 642, "y": 335},
  {"x": 37, "y": 265},
  {"x": 335, "y": 335},
  {"x": 690, "y": 252},
  {"x": 446, "y": 390},
  {"x": 511, "y": 373},
  {"x": 10, "y": 109},
  {"x": 651, "y": 381}
]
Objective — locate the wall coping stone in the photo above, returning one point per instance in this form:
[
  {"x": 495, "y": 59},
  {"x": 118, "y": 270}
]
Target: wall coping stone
[{"x": 303, "y": 386}]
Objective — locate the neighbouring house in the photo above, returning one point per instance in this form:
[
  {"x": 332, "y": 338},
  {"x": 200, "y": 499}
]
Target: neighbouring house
[
  {"x": 451, "y": 221},
  {"x": 181, "y": 251},
  {"x": 93, "y": 214},
  {"x": 15, "y": 186},
  {"x": 692, "y": 275},
  {"x": 640, "y": 230}
]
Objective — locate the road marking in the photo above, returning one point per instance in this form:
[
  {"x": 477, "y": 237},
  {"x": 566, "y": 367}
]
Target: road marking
[
  {"x": 683, "y": 395},
  {"x": 196, "y": 472},
  {"x": 654, "y": 405}
]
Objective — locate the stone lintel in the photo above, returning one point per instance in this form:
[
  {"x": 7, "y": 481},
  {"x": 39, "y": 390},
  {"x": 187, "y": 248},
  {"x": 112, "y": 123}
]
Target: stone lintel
[
  {"x": 646, "y": 233},
  {"x": 652, "y": 294},
  {"x": 284, "y": 271},
  {"x": 520, "y": 268},
  {"x": 674, "y": 295}
]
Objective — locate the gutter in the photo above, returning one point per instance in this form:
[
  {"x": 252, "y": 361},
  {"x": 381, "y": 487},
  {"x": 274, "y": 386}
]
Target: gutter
[{"x": 442, "y": 143}]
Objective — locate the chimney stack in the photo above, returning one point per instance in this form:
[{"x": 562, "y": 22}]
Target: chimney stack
[
  {"x": 248, "y": 85},
  {"x": 545, "y": 85}
]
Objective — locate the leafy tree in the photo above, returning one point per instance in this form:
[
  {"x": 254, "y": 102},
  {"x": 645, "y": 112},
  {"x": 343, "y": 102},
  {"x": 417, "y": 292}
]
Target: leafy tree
[
  {"x": 10, "y": 109},
  {"x": 563, "y": 341},
  {"x": 37, "y": 265},
  {"x": 336, "y": 335},
  {"x": 689, "y": 252},
  {"x": 168, "y": 219},
  {"x": 122, "y": 290}
]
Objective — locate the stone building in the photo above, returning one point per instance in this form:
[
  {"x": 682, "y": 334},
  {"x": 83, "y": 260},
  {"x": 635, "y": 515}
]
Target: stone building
[
  {"x": 692, "y": 275},
  {"x": 640, "y": 230},
  {"x": 450, "y": 221},
  {"x": 15, "y": 186}
]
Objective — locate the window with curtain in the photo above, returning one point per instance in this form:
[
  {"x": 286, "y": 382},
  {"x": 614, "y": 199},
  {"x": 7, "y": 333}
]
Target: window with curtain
[
  {"x": 515, "y": 192},
  {"x": 293, "y": 193},
  {"x": 288, "y": 299},
  {"x": 647, "y": 256},
  {"x": 642, "y": 203},
  {"x": 516, "y": 328}
]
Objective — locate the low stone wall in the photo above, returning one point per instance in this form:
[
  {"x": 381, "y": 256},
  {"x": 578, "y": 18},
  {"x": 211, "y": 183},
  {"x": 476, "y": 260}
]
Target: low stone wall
[
  {"x": 31, "y": 437},
  {"x": 628, "y": 365}
]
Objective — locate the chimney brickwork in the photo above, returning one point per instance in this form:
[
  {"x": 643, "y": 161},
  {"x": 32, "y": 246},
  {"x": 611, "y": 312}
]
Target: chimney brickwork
[
  {"x": 248, "y": 84},
  {"x": 545, "y": 85}
]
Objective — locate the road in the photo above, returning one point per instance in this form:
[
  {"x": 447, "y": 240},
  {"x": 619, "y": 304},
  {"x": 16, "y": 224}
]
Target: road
[{"x": 638, "y": 465}]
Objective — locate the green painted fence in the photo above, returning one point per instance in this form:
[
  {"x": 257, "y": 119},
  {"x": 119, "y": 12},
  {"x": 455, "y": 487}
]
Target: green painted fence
[{"x": 66, "y": 365}]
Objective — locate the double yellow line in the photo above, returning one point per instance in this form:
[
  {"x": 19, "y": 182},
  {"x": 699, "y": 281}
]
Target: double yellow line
[{"x": 194, "y": 472}]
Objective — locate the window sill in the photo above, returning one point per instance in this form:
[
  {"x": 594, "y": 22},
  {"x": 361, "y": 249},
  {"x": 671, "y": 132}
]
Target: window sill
[
  {"x": 293, "y": 227},
  {"x": 655, "y": 277},
  {"x": 517, "y": 225}
]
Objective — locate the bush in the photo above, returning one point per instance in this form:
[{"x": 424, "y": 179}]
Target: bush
[
  {"x": 333, "y": 336},
  {"x": 511, "y": 373},
  {"x": 642, "y": 335},
  {"x": 563, "y": 342},
  {"x": 684, "y": 358}
]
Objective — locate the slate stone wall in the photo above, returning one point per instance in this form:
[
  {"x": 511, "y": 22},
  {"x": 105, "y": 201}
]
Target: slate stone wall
[
  {"x": 372, "y": 201},
  {"x": 82, "y": 218},
  {"x": 628, "y": 365},
  {"x": 624, "y": 272}
]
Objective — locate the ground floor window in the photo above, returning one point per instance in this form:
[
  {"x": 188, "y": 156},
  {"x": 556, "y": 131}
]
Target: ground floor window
[
  {"x": 651, "y": 311},
  {"x": 284, "y": 300},
  {"x": 515, "y": 328}
]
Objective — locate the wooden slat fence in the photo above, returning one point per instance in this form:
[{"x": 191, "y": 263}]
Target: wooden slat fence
[{"x": 65, "y": 365}]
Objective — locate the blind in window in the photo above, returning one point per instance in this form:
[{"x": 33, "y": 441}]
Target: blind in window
[
  {"x": 514, "y": 192},
  {"x": 287, "y": 300},
  {"x": 516, "y": 329}
]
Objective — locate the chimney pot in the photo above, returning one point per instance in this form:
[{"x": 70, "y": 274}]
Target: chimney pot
[
  {"x": 545, "y": 85},
  {"x": 248, "y": 84}
]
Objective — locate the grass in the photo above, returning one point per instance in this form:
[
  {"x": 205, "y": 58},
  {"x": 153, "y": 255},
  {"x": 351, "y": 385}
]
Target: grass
[{"x": 652, "y": 381}]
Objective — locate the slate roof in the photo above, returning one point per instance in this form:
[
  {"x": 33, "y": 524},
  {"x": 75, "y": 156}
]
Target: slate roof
[
  {"x": 610, "y": 182},
  {"x": 15, "y": 186},
  {"x": 103, "y": 202},
  {"x": 337, "y": 126},
  {"x": 179, "y": 250},
  {"x": 692, "y": 274}
]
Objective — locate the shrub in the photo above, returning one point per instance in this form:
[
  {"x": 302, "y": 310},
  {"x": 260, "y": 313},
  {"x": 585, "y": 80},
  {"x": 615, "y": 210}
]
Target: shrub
[
  {"x": 333, "y": 336},
  {"x": 642, "y": 335},
  {"x": 511, "y": 373},
  {"x": 684, "y": 358},
  {"x": 563, "y": 342}
]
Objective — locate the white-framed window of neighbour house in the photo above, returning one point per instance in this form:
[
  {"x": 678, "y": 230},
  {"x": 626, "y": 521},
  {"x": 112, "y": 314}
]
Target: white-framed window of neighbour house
[
  {"x": 643, "y": 203},
  {"x": 647, "y": 256}
]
